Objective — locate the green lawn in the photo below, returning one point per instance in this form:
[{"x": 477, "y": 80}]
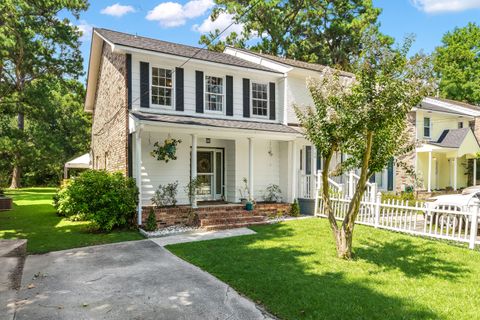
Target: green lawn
[
  {"x": 292, "y": 270},
  {"x": 34, "y": 218}
]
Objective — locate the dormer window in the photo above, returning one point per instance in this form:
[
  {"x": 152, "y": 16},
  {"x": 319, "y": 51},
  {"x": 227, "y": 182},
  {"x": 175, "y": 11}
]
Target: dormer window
[
  {"x": 214, "y": 94},
  {"x": 426, "y": 127},
  {"x": 260, "y": 99},
  {"x": 162, "y": 87}
]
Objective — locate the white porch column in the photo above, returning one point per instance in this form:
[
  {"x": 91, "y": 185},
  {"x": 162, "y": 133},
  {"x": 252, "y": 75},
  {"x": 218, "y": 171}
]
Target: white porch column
[
  {"x": 193, "y": 166},
  {"x": 429, "y": 181},
  {"x": 455, "y": 173},
  {"x": 474, "y": 171},
  {"x": 138, "y": 175},
  {"x": 294, "y": 171},
  {"x": 250, "y": 167}
]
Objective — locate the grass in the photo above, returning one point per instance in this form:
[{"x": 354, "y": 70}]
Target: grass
[
  {"x": 291, "y": 268},
  {"x": 34, "y": 218}
]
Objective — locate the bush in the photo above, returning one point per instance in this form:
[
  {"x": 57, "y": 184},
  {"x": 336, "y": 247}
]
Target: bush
[
  {"x": 408, "y": 197},
  {"x": 151, "y": 224},
  {"x": 166, "y": 195},
  {"x": 295, "y": 209},
  {"x": 273, "y": 193},
  {"x": 108, "y": 200}
]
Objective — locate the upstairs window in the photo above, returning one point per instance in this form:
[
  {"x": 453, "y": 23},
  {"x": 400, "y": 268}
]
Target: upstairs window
[
  {"x": 260, "y": 99},
  {"x": 426, "y": 127},
  {"x": 214, "y": 93},
  {"x": 162, "y": 86},
  {"x": 460, "y": 125}
]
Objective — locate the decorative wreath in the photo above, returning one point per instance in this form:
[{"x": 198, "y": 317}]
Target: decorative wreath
[{"x": 167, "y": 151}]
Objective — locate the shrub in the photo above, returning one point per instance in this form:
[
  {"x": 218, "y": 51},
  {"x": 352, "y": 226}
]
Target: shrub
[
  {"x": 273, "y": 193},
  {"x": 166, "y": 195},
  {"x": 295, "y": 209},
  {"x": 151, "y": 224},
  {"x": 408, "y": 197},
  {"x": 108, "y": 200}
]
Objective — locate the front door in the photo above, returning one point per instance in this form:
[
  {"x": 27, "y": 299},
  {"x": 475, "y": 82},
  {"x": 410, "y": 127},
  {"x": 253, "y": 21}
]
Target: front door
[{"x": 210, "y": 174}]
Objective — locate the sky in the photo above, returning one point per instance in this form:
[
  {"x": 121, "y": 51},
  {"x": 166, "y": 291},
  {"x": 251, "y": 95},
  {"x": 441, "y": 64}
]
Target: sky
[{"x": 183, "y": 21}]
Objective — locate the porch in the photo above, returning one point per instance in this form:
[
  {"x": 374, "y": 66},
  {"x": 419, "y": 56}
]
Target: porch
[{"x": 232, "y": 160}]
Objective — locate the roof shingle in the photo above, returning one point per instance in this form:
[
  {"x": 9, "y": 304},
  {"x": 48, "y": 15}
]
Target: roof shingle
[
  {"x": 134, "y": 41},
  {"x": 452, "y": 138},
  {"x": 218, "y": 123}
]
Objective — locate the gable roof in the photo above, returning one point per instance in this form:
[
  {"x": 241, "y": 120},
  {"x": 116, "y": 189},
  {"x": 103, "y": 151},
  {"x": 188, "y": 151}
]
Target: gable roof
[
  {"x": 292, "y": 62},
  {"x": 155, "y": 45},
  {"x": 217, "y": 123},
  {"x": 452, "y": 138},
  {"x": 449, "y": 106}
]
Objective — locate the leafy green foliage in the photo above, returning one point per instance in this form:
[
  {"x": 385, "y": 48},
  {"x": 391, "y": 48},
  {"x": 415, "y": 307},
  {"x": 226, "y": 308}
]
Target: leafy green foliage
[
  {"x": 167, "y": 151},
  {"x": 365, "y": 117},
  {"x": 38, "y": 50},
  {"x": 457, "y": 63},
  {"x": 325, "y": 32},
  {"x": 295, "y": 209},
  {"x": 166, "y": 195},
  {"x": 33, "y": 218},
  {"x": 108, "y": 200},
  {"x": 273, "y": 193},
  {"x": 151, "y": 224}
]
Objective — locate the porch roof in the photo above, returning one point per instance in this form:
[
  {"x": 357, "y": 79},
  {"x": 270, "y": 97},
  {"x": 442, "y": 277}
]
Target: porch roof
[
  {"x": 454, "y": 141},
  {"x": 82, "y": 162},
  {"x": 213, "y": 122},
  {"x": 452, "y": 138}
]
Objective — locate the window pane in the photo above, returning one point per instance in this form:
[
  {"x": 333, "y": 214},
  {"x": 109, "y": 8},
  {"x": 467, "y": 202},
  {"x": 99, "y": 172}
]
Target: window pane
[
  {"x": 259, "y": 99},
  {"x": 308, "y": 160},
  {"x": 218, "y": 173}
]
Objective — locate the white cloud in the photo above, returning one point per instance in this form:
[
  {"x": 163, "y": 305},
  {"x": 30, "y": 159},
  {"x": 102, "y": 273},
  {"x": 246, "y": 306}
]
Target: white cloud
[
  {"x": 437, "y": 6},
  {"x": 86, "y": 30},
  {"x": 173, "y": 14},
  {"x": 223, "y": 21},
  {"x": 117, "y": 10}
]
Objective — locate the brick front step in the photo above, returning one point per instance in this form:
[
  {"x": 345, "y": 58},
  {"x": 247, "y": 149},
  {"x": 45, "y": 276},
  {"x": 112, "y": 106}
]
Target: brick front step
[
  {"x": 230, "y": 214},
  {"x": 233, "y": 226},
  {"x": 231, "y": 220}
]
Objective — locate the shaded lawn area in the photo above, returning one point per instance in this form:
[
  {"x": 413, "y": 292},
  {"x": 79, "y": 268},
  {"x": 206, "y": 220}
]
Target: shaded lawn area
[
  {"x": 34, "y": 218},
  {"x": 291, "y": 268}
]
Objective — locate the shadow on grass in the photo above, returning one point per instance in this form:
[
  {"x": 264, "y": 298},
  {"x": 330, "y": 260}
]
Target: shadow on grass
[
  {"x": 293, "y": 281},
  {"x": 412, "y": 259}
]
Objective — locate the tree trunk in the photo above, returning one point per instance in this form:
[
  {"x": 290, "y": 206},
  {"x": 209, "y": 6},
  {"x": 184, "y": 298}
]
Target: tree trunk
[
  {"x": 345, "y": 235},
  {"x": 17, "y": 170},
  {"x": 327, "y": 209}
]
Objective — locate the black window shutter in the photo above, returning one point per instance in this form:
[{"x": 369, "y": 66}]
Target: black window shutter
[
  {"x": 130, "y": 155},
  {"x": 179, "y": 100},
  {"x": 246, "y": 98},
  {"x": 129, "y": 80},
  {"x": 272, "y": 100},
  {"x": 229, "y": 95},
  {"x": 199, "y": 91},
  {"x": 144, "y": 84}
]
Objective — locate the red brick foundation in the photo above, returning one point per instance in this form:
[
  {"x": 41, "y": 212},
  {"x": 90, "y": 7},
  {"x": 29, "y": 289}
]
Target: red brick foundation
[{"x": 215, "y": 217}]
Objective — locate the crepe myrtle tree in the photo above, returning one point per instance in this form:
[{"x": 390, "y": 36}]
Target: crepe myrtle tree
[{"x": 365, "y": 117}]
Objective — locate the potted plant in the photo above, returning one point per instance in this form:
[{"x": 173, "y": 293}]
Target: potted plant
[
  {"x": 167, "y": 151},
  {"x": 244, "y": 192},
  {"x": 5, "y": 202}
]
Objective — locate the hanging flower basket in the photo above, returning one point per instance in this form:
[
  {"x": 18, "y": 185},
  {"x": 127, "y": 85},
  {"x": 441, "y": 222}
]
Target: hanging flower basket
[{"x": 167, "y": 151}]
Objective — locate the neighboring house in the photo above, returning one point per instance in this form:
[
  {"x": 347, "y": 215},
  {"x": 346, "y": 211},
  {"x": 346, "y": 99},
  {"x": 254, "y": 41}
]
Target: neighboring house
[
  {"x": 447, "y": 134},
  {"x": 233, "y": 111}
]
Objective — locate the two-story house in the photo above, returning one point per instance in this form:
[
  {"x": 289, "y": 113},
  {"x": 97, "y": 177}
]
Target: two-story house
[
  {"x": 234, "y": 114},
  {"x": 232, "y": 111}
]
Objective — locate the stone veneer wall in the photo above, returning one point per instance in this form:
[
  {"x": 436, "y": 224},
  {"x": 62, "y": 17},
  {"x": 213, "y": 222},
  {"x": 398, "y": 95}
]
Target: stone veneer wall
[
  {"x": 109, "y": 147},
  {"x": 402, "y": 177}
]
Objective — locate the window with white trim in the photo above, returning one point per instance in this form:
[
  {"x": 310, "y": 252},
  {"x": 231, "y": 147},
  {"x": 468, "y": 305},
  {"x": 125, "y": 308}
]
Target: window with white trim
[
  {"x": 214, "y": 93},
  {"x": 260, "y": 99},
  {"x": 426, "y": 127},
  {"x": 162, "y": 87}
]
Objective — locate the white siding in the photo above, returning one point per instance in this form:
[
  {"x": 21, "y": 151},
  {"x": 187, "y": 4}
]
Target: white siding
[{"x": 189, "y": 86}]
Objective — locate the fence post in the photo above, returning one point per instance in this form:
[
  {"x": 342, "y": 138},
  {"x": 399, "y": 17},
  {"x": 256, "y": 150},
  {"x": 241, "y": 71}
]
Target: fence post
[
  {"x": 350, "y": 184},
  {"x": 317, "y": 189},
  {"x": 474, "y": 225},
  {"x": 378, "y": 202}
]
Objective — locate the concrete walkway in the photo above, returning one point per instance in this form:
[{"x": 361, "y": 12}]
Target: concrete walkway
[
  {"x": 130, "y": 280},
  {"x": 201, "y": 235}
]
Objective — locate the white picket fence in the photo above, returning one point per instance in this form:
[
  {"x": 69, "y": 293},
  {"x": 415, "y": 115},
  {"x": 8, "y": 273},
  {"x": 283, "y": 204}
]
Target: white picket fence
[{"x": 422, "y": 219}]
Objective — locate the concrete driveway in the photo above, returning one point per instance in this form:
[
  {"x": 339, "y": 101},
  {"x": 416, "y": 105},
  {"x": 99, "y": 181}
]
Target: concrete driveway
[{"x": 130, "y": 280}]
